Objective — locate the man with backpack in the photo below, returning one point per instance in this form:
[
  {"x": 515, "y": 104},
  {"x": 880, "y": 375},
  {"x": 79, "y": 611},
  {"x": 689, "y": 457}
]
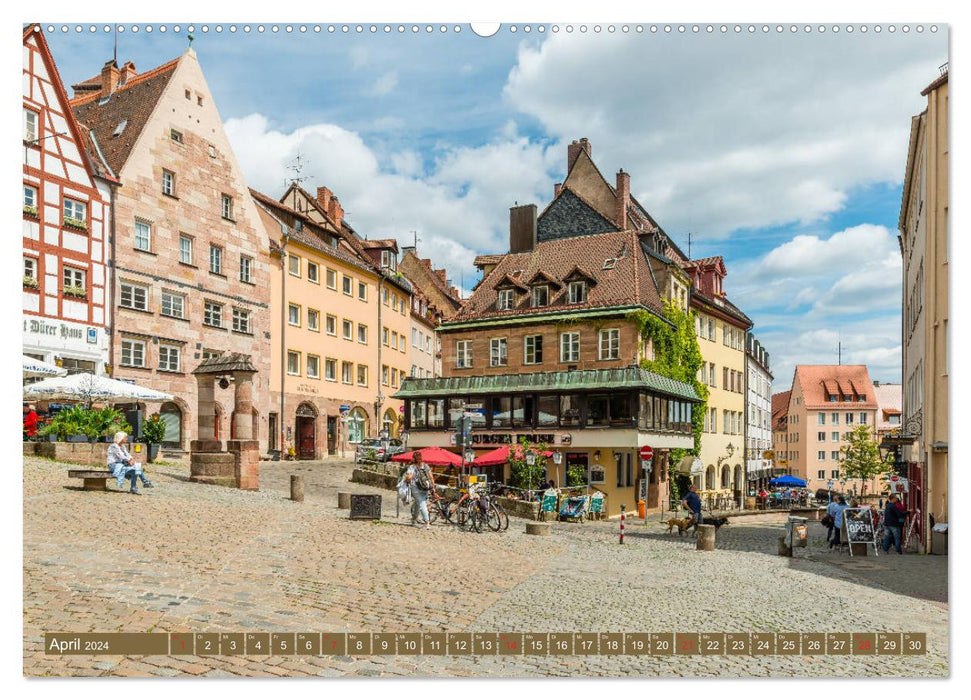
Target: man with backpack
[
  {"x": 419, "y": 479},
  {"x": 894, "y": 517}
]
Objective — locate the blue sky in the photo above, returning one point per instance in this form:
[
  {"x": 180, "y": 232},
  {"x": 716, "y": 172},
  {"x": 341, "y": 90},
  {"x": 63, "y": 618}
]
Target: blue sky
[{"x": 782, "y": 152}]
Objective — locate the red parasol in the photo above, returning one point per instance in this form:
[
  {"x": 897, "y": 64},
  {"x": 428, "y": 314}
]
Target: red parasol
[
  {"x": 500, "y": 455},
  {"x": 434, "y": 456}
]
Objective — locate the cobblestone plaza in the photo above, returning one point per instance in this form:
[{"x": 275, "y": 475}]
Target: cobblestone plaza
[{"x": 212, "y": 559}]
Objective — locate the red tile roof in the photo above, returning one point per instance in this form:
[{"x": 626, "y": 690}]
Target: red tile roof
[
  {"x": 628, "y": 281},
  {"x": 780, "y": 404},
  {"x": 133, "y": 103},
  {"x": 819, "y": 382}
]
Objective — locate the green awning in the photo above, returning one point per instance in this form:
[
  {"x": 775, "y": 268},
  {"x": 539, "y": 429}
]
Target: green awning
[{"x": 633, "y": 378}]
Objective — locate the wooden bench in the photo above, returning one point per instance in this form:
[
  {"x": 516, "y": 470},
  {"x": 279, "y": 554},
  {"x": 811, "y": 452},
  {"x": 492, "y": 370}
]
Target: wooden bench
[{"x": 94, "y": 479}]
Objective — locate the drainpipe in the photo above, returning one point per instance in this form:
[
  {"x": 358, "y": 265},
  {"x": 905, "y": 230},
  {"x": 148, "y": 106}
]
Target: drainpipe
[
  {"x": 112, "y": 274},
  {"x": 379, "y": 373},
  {"x": 283, "y": 339}
]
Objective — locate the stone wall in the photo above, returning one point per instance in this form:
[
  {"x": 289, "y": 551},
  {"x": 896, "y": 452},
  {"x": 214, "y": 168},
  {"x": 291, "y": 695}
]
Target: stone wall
[{"x": 88, "y": 453}]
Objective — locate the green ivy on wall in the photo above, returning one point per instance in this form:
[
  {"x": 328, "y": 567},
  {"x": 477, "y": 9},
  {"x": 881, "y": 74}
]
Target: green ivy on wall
[{"x": 678, "y": 356}]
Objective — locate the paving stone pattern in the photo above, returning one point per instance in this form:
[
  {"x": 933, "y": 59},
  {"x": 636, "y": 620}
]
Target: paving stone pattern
[{"x": 211, "y": 559}]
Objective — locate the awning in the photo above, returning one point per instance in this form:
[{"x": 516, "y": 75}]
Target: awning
[
  {"x": 91, "y": 387},
  {"x": 435, "y": 456},
  {"x": 38, "y": 368},
  {"x": 501, "y": 455}
]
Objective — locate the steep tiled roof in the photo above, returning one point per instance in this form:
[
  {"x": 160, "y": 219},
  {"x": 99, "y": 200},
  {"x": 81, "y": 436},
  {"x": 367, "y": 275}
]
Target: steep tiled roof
[
  {"x": 780, "y": 405},
  {"x": 133, "y": 103},
  {"x": 890, "y": 400},
  {"x": 818, "y": 382},
  {"x": 433, "y": 287},
  {"x": 312, "y": 235},
  {"x": 626, "y": 282},
  {"x": 380, "y": 243},
  {"x": 490, "y": 259}
]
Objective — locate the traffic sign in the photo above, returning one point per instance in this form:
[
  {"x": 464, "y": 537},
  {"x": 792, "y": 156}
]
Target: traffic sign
[{"x": 647, "y": 452}]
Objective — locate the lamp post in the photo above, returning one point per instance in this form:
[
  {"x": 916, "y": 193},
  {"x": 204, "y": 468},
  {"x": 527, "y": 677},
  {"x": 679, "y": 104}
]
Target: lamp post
[
  {"x": 558, "y": 460},
  {"x": 531, "y": 462}
]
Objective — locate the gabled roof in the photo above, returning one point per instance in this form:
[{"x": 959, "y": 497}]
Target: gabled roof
[
  {"x": 626, "y": 282},
  {"x": 543, "y": 277},
  {"x": 780, "y": 405},
  {"x": 78, "y": 134},
  {"x": 132, "y": 102},
  {"x": 510, "y": 280},
  {"x": 579, "y": 273},
  {"x": 380, "y": 243},
  {"x": 818, "y": 382}
]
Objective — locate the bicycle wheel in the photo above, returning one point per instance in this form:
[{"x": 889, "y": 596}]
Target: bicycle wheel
[
  {"x": 474, "y": 519},
  {"x": 503, "y": 518},
  {"x": 434, "y": 510},
  {"x": 452, "y": 511},
  {"x": 493, "y": 519}
]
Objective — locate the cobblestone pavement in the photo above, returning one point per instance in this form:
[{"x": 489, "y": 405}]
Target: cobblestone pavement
[{"x": 186, "y": 557}]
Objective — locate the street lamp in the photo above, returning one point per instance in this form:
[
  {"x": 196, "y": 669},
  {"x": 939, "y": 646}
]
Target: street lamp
[{"x": 531, "y": 461}]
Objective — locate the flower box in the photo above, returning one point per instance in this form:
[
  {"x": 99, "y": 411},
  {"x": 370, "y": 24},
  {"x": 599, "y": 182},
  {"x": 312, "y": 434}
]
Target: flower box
[
  {"x": 31, "y": 282},
  {"x": 30, "y": 211},
  {"x": 80, "y": 224},
  {"x": 76, "y": 292}
]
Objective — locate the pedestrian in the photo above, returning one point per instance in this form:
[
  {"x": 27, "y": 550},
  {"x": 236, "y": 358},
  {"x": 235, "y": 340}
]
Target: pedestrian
[
  {"x": 419, "y": 478},
  {"x": 30, "y": 422},
  {"x": 894, "y": 517},
  {"x": 693, "y": 503},
  {"x": 122, "y": 466},
  {"x": 836, "y": 509}
]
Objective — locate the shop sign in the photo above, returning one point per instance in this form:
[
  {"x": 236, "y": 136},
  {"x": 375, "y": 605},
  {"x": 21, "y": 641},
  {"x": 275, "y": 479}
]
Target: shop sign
[{"x": 57, "y": 330}]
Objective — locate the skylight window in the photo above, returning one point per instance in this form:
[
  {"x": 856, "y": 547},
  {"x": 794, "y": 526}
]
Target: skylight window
[{"x": 120, "y": 128}]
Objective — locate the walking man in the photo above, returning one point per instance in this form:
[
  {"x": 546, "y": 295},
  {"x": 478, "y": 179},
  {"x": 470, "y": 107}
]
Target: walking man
[
  {"x": 419, "y": 479},
  {"x": 894, "y": 517},
  {"x": 693, "y": 503}
]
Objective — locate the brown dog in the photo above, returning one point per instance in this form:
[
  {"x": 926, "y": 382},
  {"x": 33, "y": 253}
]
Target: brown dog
[{"x": 681, "y": 524}]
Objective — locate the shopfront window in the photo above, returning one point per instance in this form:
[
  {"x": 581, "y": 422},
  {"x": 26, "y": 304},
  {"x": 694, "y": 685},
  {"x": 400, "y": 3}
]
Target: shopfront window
[
  {"x": 522, "y": 411},
  {"x": 548, "y": 409},
  {"x": 663, "y": 415},
  {"x": 570, "y": 410},
  {"x": 501, "y": 412},
  {"x": 597, "y": 409},
  {"x": 418, "y": 418},
  {"x": 435, "y": 413},
  {"x": 621, "y": 412}
]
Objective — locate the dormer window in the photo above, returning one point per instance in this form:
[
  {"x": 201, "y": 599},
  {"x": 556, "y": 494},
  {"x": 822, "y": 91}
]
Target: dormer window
[
  {"x": 387, "y": 259},
  {"x": 578, "y": 292},
  {"x": 507, "y": 299},
  {"x": 541, "y": 295}
]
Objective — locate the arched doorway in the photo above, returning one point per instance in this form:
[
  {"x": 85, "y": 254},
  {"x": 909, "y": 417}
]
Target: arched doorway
[
  {"x": 726, "y": 477},
  {"x": 357, "y": 425},
  {"x": 390, "y": 423},
  {"x": 710, "y": 477},
  {"x": 171, "y": 416},
  {"x": 306, "y": 438}
]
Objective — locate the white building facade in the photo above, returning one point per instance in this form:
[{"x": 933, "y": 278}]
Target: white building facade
[
  {"x": 758, "y": 411},
  {"x": 66, "y": 216}
]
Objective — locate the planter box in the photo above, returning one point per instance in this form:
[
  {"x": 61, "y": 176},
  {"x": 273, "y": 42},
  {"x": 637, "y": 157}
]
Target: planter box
[{"x": 88, "y": 453}]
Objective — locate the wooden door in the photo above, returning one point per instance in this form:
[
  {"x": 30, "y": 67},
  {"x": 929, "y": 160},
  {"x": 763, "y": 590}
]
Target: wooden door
[{"x": 306, "y": 438}]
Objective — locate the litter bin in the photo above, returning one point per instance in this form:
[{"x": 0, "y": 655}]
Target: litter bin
[
  {"x": 797, "y": 531},
  {"x": 939, "y": 539}
]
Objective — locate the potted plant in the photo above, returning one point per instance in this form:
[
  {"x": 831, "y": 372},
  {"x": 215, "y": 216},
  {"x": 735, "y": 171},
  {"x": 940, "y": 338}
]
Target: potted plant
[
  {"x": 153, "y": 431},
  {"x": 31, "y": 282},
  {"x": 30, "y": 210},
  {"x": 291, "y": 453},
  {"x": 75, "y": 223},
  {"x": 75, "y": 291}
]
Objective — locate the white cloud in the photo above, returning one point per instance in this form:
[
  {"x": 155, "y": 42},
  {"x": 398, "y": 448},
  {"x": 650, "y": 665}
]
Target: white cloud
[
  {"x": 845, "y": 250},
  {"x": 766, "y": 131},
  {"x": 458, "y": 203},
  {"x": 385, "y": 84}
]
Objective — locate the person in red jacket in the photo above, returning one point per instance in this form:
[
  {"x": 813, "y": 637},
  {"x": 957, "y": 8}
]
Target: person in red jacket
[{"x": 30, "y": 421}]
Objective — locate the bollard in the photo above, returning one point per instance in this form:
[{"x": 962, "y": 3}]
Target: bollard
[
  {"x": 296, "y": 488},
  {"x": 706, "y": 538},
  {"x": 539, "y": 529},
  {"x": 622, "y": 508},
  {"x": 343, "y": 500}
]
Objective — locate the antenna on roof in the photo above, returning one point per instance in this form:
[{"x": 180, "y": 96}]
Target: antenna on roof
[
  {"x": 115, "y": 56},
  {"x": 416, "y": 239},
  {"x": 297, "y": 166},
  {"x": 689, "y": 245}
]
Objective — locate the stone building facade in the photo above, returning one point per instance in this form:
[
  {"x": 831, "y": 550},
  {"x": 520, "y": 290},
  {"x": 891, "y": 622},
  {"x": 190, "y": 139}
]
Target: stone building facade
[
  {"x": 66, "y": 224},
  {"x": 191, "y": 276},
  {"x": 923, "y": 228}
]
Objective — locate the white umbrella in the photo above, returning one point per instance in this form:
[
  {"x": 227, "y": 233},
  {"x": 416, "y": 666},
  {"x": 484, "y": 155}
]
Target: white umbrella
[
  {"x": 91, "y": 387},
  {"x": 37, "y": 368}
]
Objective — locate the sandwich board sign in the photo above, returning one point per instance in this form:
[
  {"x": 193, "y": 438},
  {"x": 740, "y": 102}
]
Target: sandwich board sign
[{"x": 858, "y": 527}]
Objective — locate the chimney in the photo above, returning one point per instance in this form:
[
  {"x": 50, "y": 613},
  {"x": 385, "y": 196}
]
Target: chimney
[
  {"x": 522, "y": 228},
  {"x": 323, "y": 198},
  {"x": 335, "y": 210},
  {"x": 573, "y": 150},
  {"x": 442, "y": 275},
  {"x": 623, "y": 198},
  {"x": 127, "y": 73},
  {"x": 556, "y": 189},
  {"x": 109, "y": 78}
]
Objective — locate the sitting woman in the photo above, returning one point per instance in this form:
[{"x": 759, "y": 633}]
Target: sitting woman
[{"x": 122, "y": 465}]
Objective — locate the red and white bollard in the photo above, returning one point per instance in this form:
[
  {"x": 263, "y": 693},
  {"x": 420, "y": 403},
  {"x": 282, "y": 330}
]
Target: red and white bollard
[{"x": 622, "y": 517}]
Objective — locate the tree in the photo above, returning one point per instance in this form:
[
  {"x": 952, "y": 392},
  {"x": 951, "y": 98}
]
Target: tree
[
  {"x": 860, "y": 457},
  {"x": 521, "y": 474}
]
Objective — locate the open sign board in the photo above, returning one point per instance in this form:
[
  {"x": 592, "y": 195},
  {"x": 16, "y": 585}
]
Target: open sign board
[{"x": 858, "y": 526}]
